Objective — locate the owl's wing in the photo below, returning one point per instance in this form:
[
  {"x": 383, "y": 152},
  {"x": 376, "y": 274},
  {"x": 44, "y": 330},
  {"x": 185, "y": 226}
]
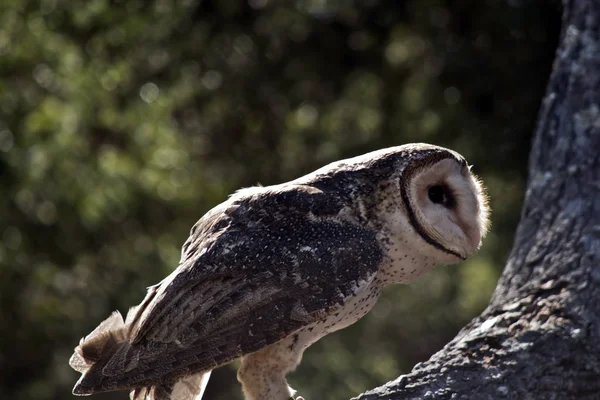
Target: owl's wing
[{"x": 254, "y": 274}]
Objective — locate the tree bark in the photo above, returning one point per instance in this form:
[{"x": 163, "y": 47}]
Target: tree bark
[{"x": 539, "y": 338}]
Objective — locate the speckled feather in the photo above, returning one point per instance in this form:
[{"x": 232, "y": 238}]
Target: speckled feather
[
  {"x": 267, "y": 264},
  {"x": 278, "y": 256}
]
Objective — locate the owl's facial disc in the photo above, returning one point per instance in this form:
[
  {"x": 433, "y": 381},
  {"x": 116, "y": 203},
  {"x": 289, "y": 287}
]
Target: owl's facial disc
[{"x": 448, "y": 207}]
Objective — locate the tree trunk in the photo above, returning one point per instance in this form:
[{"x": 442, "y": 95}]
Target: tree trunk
[{"x": 540, "y": 336}]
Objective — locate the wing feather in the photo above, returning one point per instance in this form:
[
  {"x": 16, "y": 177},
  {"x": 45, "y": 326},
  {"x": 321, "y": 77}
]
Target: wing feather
[{"x": 254, "y": 271}]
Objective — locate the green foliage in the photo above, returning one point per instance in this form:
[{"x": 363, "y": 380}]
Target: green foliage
[{"x": 122, "y": 122}]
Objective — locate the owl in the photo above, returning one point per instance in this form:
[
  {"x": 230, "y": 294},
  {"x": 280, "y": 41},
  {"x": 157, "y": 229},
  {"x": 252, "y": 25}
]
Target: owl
[{"x": 273, "y": 269}]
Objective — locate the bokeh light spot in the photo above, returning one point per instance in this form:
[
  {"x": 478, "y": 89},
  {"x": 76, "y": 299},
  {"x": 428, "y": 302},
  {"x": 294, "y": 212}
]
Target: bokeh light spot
[
  {"x": 212, "y": 80},
  {"x": 149, "y": 92},
  {"x": 46, "y": 213},
  {"x": 451, "y": 95},
  {"x": 12, "y": 237},
  {"x": 306, "y": 116},
  {"x": 6, "y": 140}
]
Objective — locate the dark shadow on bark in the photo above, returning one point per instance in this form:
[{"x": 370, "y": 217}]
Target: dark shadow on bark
[{"x": 539, "y": 336}]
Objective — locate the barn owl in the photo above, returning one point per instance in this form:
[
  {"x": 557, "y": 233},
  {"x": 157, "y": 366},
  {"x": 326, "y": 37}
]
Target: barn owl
[{"x": 273, "y": 269}]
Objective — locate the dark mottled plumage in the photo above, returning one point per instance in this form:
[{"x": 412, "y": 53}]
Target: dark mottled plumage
[{"x": 257, "y": 268}]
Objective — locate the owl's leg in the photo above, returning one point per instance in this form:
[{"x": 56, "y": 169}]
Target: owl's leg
[{"x": 262, "y": 374}]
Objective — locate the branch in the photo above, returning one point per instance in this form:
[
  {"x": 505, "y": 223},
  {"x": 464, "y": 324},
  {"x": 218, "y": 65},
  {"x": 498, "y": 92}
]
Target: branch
[{"x": 539, "y": 336}]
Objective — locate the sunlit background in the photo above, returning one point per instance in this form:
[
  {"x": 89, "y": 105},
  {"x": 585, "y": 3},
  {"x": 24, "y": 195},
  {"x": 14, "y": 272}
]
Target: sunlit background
[{"x": 123, "y": 122}]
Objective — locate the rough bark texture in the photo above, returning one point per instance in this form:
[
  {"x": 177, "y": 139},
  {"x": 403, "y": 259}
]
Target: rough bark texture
[{"x": 540, "y": 336}]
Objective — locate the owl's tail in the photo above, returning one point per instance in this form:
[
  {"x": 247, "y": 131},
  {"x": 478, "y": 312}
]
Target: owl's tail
[
  {"x": 188, "y": 388},
  {"x": 106, "y": 355},
  {"x": 101, "y": 355}
]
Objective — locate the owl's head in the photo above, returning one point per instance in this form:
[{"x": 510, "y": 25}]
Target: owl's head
[
  {"x": 428, "y": 205},
  {"x": 422, "y": 200},
  {"x": 445, "y": 204}
]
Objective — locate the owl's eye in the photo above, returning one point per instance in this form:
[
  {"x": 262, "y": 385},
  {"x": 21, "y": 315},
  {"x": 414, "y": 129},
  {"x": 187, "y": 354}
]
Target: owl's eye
[{"x": 439, "y": 194}]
